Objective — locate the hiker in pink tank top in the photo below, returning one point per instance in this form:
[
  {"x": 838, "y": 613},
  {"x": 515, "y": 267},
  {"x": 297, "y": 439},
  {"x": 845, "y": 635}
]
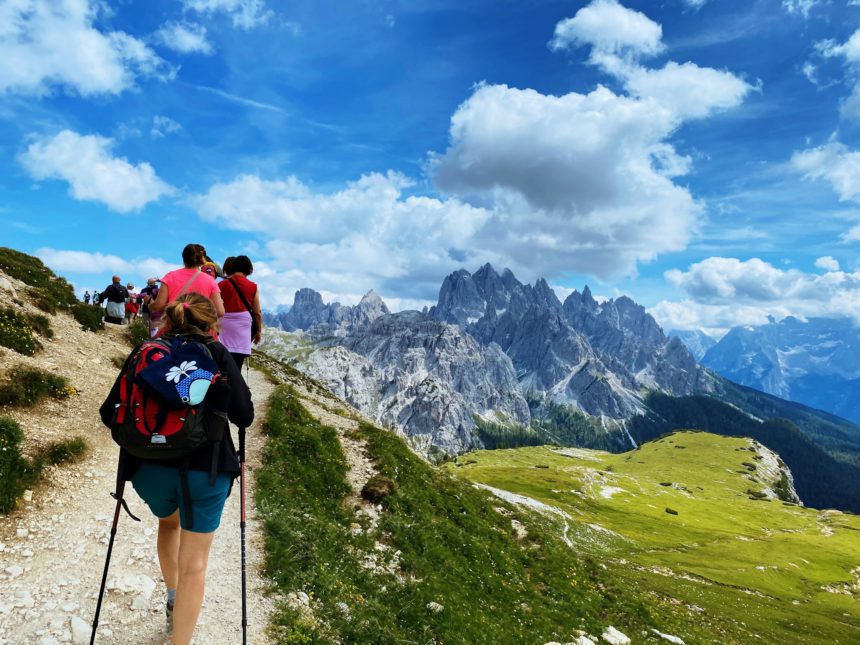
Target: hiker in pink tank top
[{"x": 189, "y": 279}]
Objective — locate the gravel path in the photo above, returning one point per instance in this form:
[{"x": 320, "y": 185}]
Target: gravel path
[{"x": 52, "y": 549}]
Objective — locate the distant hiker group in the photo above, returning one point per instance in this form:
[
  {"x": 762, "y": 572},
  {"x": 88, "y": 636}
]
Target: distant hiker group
[{"x": 169, "y": 409}]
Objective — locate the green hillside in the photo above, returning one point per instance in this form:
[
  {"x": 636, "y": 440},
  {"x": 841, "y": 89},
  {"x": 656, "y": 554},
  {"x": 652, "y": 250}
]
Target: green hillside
[
  {"x": 679, "y": 520},
  {"x": 499, "y": 573}
]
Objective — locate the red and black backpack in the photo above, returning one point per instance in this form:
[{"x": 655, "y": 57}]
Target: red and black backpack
[{"x": 162, "y": 411}]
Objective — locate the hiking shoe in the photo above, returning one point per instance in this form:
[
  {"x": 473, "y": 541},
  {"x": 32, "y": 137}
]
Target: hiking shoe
[{"x": 169, "y": 612}]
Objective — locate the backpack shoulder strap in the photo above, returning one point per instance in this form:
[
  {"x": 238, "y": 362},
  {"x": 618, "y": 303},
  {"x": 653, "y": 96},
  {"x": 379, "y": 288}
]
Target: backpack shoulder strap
[
  {"x": 241, "y": 296},
  {"x": 187, "y": 284}
]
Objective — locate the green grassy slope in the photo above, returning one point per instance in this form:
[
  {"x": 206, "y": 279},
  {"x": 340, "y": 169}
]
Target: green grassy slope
[
  {"x": 438, "y": 540},
  {"x": 742, "y": 569}
]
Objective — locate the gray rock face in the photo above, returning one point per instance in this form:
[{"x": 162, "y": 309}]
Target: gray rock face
[
  {"x": 309, "y": 311},
  {"x": 697, "y": 341},
  {"x": 423, "y": 377},
  {"x": 594, "y": 356}
]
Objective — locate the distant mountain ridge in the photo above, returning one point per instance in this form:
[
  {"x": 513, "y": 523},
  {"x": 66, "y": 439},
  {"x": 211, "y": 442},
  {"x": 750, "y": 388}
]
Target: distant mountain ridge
[
  {"x": 499, "y": 363},
  {"x": 489, "y": 343},
  {"x": 697, "y": 341},
  {"x": 814, "y": 362}
]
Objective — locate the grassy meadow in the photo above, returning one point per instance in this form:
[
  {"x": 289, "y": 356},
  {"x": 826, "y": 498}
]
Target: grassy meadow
[{"x": 682, "y": 519}]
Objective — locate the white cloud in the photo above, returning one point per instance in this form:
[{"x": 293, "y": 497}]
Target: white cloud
[
  {"x": 849, "y": 50},
  {"x": 723, "y": 292},
  {"x": 185, "y": 38},
  {"x": 852, "y": 234},
  {"x": 244, "y": 14},
  {"x": 834, "y": 163},
  {"x": 828, "y": 263},
  {"x": 100, "y": 263},
  {"x": 366, "y": 235},
  {"x": 611, "y": 29},
  {"x": 53, "y": 43},
  {"x": 619, "y": 37},
  {"x": 801, "y": 7},
  {"x": 162, "y": 126},
  {"x": 577, "y": 181},
  {"x": 695, "y": 4},
  {"x": 92, "y": 172}
]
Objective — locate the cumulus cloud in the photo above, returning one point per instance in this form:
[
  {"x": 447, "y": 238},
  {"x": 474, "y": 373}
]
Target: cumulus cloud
[
  {"x": 828, "y": 263},
  {"x": 619, "y": 37},
  {"x": 185, "y": 38},
  {"x": 99, "y": 263},
  {"x": 244, "y": 14},
  {"x": 162, "y": 126},
  {"x": 577, "y": 181},
  {"x": 92, "y": 172},
  {"x": 53, "y": 43},
  {"x": 723, "y": 292},
  {"x": 611, "y": 29},
  {"x": 367, "y": 235},
  {"x": 833, "y": 163}
]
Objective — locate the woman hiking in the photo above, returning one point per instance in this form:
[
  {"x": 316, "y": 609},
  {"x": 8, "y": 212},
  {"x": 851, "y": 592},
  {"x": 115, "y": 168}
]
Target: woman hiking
[
  {"x": 186, "y": 528},
  {"x": 189, "y": 279},
  {"x": 242, "y": 322}
]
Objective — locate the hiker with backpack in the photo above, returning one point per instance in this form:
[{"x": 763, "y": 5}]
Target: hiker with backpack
[
  {"x": 242, "y": 321},
  {"x": 115, "y": 295},
  {"x": 189, "y": 279},
  {"x": 168, "y": 410}
]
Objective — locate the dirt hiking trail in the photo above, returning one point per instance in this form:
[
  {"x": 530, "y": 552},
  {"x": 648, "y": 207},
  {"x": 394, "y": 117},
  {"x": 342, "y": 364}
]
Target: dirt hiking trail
[{"x": 53, "y": 547}]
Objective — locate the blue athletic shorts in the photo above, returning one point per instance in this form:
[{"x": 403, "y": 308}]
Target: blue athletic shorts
[{"x": 161, "y": 489}]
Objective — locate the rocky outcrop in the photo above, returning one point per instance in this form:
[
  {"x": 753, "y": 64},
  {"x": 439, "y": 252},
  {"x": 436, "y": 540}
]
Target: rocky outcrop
[
  {"x": 309, "y": 311},
  {"x": 426, "y": 378},
  {"x": 597, "y": 357}
]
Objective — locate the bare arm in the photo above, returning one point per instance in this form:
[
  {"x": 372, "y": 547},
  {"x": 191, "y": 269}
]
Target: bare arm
[
  {"x": 160, "y": 302},
  {"x": 257, "y": 313},
  {"x": 218, "y": 302}
]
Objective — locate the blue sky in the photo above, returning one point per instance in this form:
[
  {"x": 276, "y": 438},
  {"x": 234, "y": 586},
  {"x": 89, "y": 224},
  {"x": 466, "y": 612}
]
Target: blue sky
[{"x": 698, "y": 155}]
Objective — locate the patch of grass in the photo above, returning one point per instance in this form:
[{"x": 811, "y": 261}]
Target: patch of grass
[
  {"x": 17, "y": 473},
  {"x": 16, "y": 332},
  {"x": 118, "y": 361},
  {"x": 90, "y": 317},
  {"x": 48, "y": 291},
  {"x": 41, "y": 325},
  {"x": 137, "y": 332},
  {"x": 25, "y": 386},
  {"x": 452, "y": 547}
]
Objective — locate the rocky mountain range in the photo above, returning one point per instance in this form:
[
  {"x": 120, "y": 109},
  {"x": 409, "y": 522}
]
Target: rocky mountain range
[
  {"x": 309, "y": 311},
  {"x": 488, "y": 344},
  {"x": 815, "y": 362}
]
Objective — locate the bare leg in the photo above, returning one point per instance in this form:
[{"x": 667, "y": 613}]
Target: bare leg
[
  {"x": 168, "y": 549},
  {"x": 193, "y": 558}
]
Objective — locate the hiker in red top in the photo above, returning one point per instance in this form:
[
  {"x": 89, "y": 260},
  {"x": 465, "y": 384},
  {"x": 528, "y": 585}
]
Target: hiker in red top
[
  {"x": 189, "y": 279},
  {"x": 242, "y": 321}
]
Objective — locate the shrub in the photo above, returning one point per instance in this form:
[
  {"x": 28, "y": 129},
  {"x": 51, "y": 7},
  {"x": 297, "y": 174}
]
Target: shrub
[
  {"x": 41, "y": 325},
  {"x": 91, "y": 317},
  {"x": 17, "y": 473},
  {"x": 138, "y": 332},
  {"x": 118, "y": 361},
  {"x": 377, "y": 489},
  {"x": 671, "y": 511},
  {"x": 16, "y": 333},
  {"x": 26, "y": 386},
  {"x": 48, "y": 291}
]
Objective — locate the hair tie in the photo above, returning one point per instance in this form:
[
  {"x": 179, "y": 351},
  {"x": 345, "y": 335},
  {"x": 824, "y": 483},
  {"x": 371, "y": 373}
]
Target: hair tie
[{"x": 185, "y": 306}]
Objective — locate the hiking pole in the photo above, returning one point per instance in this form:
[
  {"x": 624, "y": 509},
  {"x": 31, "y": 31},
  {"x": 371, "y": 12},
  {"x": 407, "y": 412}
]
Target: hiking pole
[
  {"x": 120, "y": 503},
  {"x": 242, "y": 527}
]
